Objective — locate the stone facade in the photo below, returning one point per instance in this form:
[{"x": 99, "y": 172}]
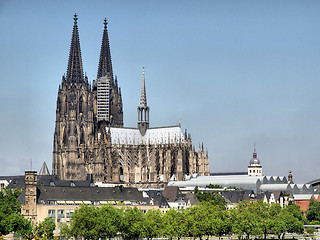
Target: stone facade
[{"x": 84, "y": 144}]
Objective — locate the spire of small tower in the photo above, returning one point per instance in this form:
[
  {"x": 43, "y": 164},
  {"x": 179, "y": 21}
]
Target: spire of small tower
[
  {"x": 290, "y": 177},
  {"x": 143, "y": 109},
  {"x": 143, "y": 98},
  {"x": 254, "y": 168},
  {"x": 75, "y": 70},
  {"x": 44, "y": 169},
  {"x": 255, "y": 155},
  {"x": 105, "y": 64}
]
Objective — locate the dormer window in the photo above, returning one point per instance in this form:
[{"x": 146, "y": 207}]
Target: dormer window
[
  {"x": 52, "y": 183},
  {"x": 72, "y": 184}
]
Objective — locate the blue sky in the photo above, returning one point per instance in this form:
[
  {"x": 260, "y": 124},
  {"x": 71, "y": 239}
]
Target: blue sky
[{"x": 237, "y": 73}]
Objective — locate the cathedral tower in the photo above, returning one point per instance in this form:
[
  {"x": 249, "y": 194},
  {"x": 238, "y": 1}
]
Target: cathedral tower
[
  {"x": 74, "y": 127},
  {"x": 108, "y": 100}
]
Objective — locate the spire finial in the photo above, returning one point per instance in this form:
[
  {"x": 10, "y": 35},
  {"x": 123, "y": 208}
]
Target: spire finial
[
  {"x": 143, "y": 98},
  {"x": 75, "y": 70},
  {"x": 255, "y": 155},
  {"x": 75, "y": 18},
  {"x": 105, "y": 64}
]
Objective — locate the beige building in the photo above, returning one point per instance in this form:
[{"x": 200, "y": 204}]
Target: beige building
[{"x": 41, "y": 200}]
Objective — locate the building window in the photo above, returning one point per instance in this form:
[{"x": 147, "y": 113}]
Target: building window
[
  {"x": 61, "y": 215},
  {"x": 69, "y": 213},
  {"x": 52, "y": 213}
]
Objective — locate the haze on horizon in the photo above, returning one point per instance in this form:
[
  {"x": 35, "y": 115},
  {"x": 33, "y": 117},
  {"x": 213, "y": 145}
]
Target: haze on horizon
[{"x": 236, "y": 73}]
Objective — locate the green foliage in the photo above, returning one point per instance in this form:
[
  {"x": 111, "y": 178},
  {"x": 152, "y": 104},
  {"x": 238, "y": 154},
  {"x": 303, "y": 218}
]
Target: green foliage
[
  {"x": 46, "y": 228},
  {"x": 131, "y": 223},
  {"x": 214, "y": 186},
  {"x": 262, "y": 219},
  {"x": 213, "y": 197},
  {"x": 204, "y": 219},
  {"x": 313, "y": 213},
  {"x": 92, "y": 222},
  {"x": 27, "y": 229},
  {"x": 10, "y": 208},
  {"x": 245, "y": 220},
  {"x": 152, "y": 224},
  {"x": 109, "y": 221},
  {"x": 65, "y": 230},
  {"x": 84, "y": 223},
  {"x": 174, "y": 224},
  {"x": 310, "y": 230}
]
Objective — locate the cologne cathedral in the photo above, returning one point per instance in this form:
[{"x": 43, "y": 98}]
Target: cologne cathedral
[{"x": 90, "y": 138}]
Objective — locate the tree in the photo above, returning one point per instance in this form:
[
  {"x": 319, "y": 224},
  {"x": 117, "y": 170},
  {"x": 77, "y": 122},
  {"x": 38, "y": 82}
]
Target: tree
[
  {"x": 313, "y": 213},
  {"x": 245, "y": 220},
  {"x": 152, "y": 224},
  {"x": 131, "y": 223},
  {"x": 46, "y": 228},
  {"x": 27, "y": 230},
  {"x": 65, "y": 230},
  {"x": 275, "y": 222},
  {"x": 207, "y": 219},
  {"x": 84, "y": 222},
  {"x": 214, "y": 197},
  {"x": 174, "y": 223},
  {"x": 109, "y": 221},
  {"x": 10, "y": 211},
  {"x": 293, "y": 219}
]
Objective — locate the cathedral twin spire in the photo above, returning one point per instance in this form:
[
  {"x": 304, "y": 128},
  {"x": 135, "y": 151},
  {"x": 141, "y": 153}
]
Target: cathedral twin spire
[
  {"x": 105, "y": 64},
  {"x": 75, "y": 70}
]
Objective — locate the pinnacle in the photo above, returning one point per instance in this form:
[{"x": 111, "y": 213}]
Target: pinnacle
[
  {"x": 105, "y": 64},
  {"x": 143, "y": 98},
  {"x": 75, "y": 70}
]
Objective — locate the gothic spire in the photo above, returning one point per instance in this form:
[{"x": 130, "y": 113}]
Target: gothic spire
[
  {"x": 143, "y": 110},
  {"x": 105, "y": 65},
  {"x": 75, "y": 70},
  {"x": 143, "y": 98}
]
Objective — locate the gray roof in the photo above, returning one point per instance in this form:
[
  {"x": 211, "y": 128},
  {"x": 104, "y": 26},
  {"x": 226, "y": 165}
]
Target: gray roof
[
  {"x": 157, "y": 198},
  {"x": 238, "y": 195},
  {"x": 239, "y": 181},
  {"x": 48, "y": 193},
  {"x": 191, "y": 198},
  {"x": 172, "y": 194},
  {"x": 293, "y": 188},
  {"x": 49, "y": 180}
]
